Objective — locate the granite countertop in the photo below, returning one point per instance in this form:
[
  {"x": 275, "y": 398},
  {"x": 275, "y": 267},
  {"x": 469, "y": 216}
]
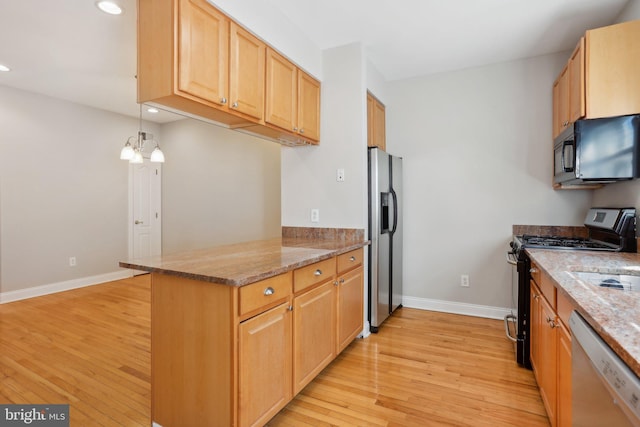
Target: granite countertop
[
  {"x": 613, "y": 313},
  {"x": 244, "y": 263}
]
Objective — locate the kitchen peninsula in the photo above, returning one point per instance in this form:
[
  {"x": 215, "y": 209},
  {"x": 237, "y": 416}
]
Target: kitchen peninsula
[{"x": 238, "y": 330}]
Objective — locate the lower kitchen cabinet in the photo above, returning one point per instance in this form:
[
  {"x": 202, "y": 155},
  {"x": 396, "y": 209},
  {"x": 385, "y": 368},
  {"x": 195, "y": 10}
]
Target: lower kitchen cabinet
[
  {"x": 264, "y": 366},
  {"x": 564, "y": 377},
  {"x": 551, "y": 350},
  {"x": 313, "y": 338},
  {"x": 350, "y": 307},
  {"x": 234, "y": 356},
  {"x": 547, "y": 366}
]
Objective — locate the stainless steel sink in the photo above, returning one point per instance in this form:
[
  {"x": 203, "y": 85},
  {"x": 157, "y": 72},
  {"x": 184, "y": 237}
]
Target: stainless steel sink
[{"x": 623, "y": 282}]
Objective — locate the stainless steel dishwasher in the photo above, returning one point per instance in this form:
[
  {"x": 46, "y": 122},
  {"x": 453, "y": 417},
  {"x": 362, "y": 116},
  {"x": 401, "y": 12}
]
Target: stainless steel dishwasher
[{"x": 605, "y": 391}]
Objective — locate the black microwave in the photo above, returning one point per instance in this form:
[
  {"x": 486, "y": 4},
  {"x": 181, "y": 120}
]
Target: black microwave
[{"x": 598, "y": 151}]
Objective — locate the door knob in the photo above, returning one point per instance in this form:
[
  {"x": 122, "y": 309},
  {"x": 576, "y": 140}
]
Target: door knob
[{"x": 138, "y": 222}]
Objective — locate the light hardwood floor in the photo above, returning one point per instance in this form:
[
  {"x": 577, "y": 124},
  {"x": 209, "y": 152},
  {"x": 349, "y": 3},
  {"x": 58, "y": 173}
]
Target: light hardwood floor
[{"x": 90, "y": 348}]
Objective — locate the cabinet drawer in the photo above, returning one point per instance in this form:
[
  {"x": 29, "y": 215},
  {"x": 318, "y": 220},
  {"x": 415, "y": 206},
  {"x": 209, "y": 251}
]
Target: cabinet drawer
[
  {"x": 564, "y": 308},
  {"x": 313, "y": 274},
  {"x": 548, "y": 288},
  {"x": 535, "y": 272},
  {"x": 264, "y": 294},
  {"x": 349, "y": 260}
]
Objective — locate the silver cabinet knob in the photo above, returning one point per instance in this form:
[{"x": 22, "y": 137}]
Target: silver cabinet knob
[
  {"x": 138, "y": 222},
  {"x": 269, "y": 291},
  {"x": 335, "y": 283},
  {"x": 318, "y": 272},
  {"x": 223, "y": 100},
  {"x": 295, "y": 129},
  {"x": 301, "y": 130},
  {"x": 341, "y": 281},
  {"x": 234, "y": 105},
  {"x": 290, "y": 308},
  {"x": 352, "y": 259}
]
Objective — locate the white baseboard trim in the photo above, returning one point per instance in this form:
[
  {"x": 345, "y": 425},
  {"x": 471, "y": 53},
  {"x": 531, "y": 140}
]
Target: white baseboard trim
[
  {"x": 67, "y": 285},
  {"x": 455, "y": 307}
]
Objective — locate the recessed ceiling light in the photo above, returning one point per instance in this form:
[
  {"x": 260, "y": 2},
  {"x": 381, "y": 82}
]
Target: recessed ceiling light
[
  {"x": 152, "y": 110},
  {"x": 109, "y": 7},
  {"x": 4, "y": 68}
]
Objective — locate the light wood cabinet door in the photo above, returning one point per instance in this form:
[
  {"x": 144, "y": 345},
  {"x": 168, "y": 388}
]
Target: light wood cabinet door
[
  {"x": 281, "y": 91},
  {"x": 202, "y": 51},
  {"x": 308, "y": 106},
  {"x": 534, "y": 328},
  {"x": 376, "y": 123},
  {"x": 612, "y": 64},
  {"x": 350, "y": 306},
  {"x": 264, "y": 365},
  {"x": 314, "y": 339},
  {"x": 561, "y": 102},
  {"x": 547, "y": 359},
  {"x": 564, "y": 377},
  {"x": 576, "y": 83},
  {"x": 246, "y": 72}
]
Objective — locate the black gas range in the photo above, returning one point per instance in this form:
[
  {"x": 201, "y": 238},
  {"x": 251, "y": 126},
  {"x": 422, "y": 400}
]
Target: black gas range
[{"x": 609, "y": 229}]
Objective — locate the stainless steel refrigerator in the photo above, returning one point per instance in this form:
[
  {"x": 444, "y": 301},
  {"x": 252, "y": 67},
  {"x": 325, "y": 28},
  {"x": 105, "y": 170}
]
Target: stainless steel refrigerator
[{"x": 385, "y": 233}]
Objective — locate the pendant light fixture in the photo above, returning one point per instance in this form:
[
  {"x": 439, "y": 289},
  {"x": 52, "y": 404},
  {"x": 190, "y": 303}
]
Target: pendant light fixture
[{"x": 132, "y": 151}]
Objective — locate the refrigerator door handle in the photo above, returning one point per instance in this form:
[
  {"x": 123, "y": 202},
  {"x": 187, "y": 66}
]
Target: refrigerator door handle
[{"x": 394, "y": 197}]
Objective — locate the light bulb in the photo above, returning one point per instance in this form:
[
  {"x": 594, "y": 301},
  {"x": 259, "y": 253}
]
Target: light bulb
[
  {"x": 127, "y": 152},
  {"x": 157, "y": 156},
  {"x": 137, "y": 157}
]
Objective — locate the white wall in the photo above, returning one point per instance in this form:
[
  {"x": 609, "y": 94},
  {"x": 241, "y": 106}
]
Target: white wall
[
  {"x": 309, "y": 173},
  {"x": 622, "y": 194},
  {"x": 219, "y": 186},
  {"x": 272, "y": 26},
  {"x": 630, "y": 12},
  {"x": 477, "y": 159},
  {"x": 63, "y": 190}
]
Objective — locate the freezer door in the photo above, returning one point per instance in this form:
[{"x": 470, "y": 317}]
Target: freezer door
[
  {"x": 380, "y": 223},
  {"x": 396, "y": 233}
]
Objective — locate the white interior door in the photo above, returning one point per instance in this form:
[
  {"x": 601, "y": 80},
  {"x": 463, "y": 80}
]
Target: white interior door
[{"x": 145, "y": 209}]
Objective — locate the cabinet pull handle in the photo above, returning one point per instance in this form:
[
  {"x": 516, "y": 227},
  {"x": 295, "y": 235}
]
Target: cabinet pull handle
[
  {"x": 335, "y": 283},
  {"x": 269, "y": 291},
  {"x": 533, "y": 270},
  {"x": 341, "y": 280},
  {"x": 295, "y": 129},
  {"x": 223, "y": 100},
  {"x": 301, "y": 130},
  {"x": 290, "y": 308},
  {"x": 318, "y": 272},
  {"x": 234, "y": 105},
  {"x": 352, "y": 259}
]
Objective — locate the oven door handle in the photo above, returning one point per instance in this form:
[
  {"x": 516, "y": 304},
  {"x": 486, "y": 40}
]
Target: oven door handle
[
  {"x": 509, "y": 318},
  {"x": 511, "y": 258}
]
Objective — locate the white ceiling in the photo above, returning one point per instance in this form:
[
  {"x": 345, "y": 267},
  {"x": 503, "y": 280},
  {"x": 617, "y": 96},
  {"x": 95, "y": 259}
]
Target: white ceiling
[{"x": 70, "y": 50}]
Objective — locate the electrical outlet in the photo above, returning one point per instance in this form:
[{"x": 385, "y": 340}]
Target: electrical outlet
[
  {"x": 340, "y": 175},
  {"x": 315, "y": 215},
  {"x": 464, "y": 280},
  {"x": 72, "y": 261}
]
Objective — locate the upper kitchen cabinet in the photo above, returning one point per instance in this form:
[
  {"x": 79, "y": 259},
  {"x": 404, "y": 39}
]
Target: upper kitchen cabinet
[
  {"x": 612, "y": 62},
  {"x": 600, "y": 78},
  {"x": 568, "y": 92},
  {"x": 376, "y": 128},
  {"x": 292, "y": 100},
  {"x": 246, "y": 72},
  {"x": 183, "y": 58},
  {"x": 194, "y": 59}
]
